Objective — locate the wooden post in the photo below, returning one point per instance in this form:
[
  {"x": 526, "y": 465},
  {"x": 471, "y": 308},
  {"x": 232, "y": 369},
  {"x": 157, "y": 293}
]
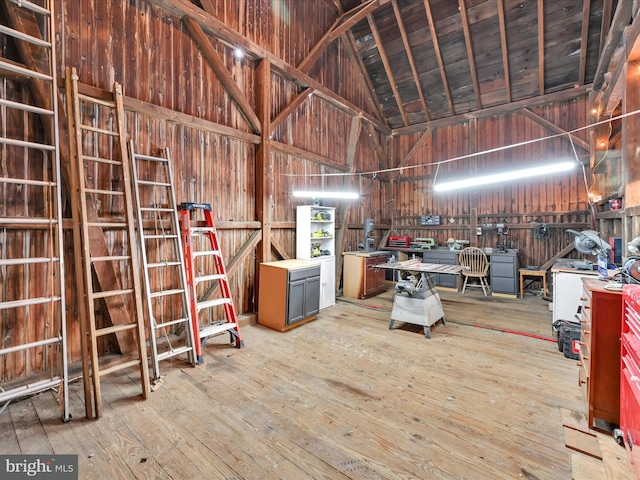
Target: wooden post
[
  {"x": 631, "y": 134},
  {"x": 264, "y": 171}
]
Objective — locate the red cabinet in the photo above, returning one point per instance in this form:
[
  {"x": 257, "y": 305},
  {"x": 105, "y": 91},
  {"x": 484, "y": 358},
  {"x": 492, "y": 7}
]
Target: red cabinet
[{"x": 630, "y": 374}]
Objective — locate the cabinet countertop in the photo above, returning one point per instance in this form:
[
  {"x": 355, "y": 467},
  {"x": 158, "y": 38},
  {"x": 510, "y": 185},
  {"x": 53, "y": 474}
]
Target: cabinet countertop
[
  {"x": 292, "y": 264},
  {"x": 376, "y": 253}
]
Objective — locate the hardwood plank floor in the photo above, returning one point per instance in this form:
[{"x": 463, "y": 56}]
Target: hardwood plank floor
[{"x": 341, "y": 397}]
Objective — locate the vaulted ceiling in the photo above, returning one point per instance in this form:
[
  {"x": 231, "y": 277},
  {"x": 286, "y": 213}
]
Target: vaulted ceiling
[{"x": 433, "y": 59}]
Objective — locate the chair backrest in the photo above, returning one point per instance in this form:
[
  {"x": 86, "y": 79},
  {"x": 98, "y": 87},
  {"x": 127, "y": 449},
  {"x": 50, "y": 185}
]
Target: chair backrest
[{"x": 475, "y": 261}]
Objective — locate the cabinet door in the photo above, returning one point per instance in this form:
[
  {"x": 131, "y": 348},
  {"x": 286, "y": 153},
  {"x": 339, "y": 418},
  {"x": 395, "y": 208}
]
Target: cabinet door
[
  {"x": 374, "y": 276},
  {"x": 327, "y": 282},
  {"x": 296, "y": 301},
  {"x": 311, "y": 296}
]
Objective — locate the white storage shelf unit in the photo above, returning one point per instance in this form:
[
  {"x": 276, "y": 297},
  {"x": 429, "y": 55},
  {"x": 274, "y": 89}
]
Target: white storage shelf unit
[{"x": 315, "y": 240}]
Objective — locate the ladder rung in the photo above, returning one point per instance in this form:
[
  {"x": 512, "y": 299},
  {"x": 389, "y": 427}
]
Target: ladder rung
[
  {"x": 201, "y": 230},
  {"x": 89, "y": 158},
  {"x": 10, "y": 67},
  {"x": 170, "y": 323},
  {"x": 22, "y": 143},
  {"x": 173, "y": 352},
  {"x": 101, "y": 131},
  {"x": 213, "y": 303},
  {"x": 31, "y": 6},
  {"x": 26, "y": 181},
  {"x": 108, "y": 224},
  {"x": 30, "y": 388},
  {"x": 206, "y": 253},
  {"x": 23, "y": 36},
  {"x": 27, "y": 221},
  {"x": 157, "y": 209},
  {"x": 97, "y": 101},
  {"x": 104, "y": 192},
  {"x": 155, "y": 184},
  {"x": 27, "y": 302},
  {"x": 115, "y": 328},
  {"x": 166, "y": 293},
  {"x": 120, "y": 366},
  {"x": 27, "y": 261},
  {"x": 209, "y": 278},
  {"x": 141, "y": 156},
  {"x": 110, "y": 258},
  {"x": 112, "y": 293},
  {"x": 163, "y": 264},
  {"x": 25, "y": 107},
  {"x": 218, "y": 328},
  {"x": 25, "y": 346},
  {"x": 166, "y": 237}
]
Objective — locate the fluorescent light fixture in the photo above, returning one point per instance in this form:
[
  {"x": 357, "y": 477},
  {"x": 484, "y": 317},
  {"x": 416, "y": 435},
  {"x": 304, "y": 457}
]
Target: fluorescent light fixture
[
  {"x": 318, "y": 194},
  {"x": 238, "y": 52},
  {"x": 505, "y": 176}
]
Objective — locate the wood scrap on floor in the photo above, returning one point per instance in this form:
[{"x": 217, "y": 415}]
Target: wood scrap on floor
[
  {"x": 586, "y": 468},
  {"x": 582, "y": 442}
]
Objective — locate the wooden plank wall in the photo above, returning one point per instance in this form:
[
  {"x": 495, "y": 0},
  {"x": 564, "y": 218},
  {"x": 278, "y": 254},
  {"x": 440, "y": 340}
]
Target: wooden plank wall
[
  {"x": 153, "y": 56},
  {"x": 559, "y": 200}
]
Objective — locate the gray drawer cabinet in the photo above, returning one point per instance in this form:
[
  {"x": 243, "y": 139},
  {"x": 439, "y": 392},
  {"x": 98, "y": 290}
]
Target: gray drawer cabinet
[
  {"x": 289, "y": 293},
  {"x": 303, "y": 295},
  {"x": 442, "y": 257},
  {"x": 503, "y": 272}
]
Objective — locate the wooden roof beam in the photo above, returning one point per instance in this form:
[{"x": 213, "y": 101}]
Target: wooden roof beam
[
  {"x": 436, "y": 46},
  {"x": 424, "y": 138},
  {"x": 387, "y": 68},
  {"x": 505, "y": 54},
  {"x": 621, "y": 19},
  {"x": 343, "y": 23},
  {"x": 606, "y": 23},
  {"x": 222, "y": 73},
  {"x": 354, "y": 56},
  {"x": 560, "y": 96},
  {"x": 472, "y": 61},
  {"x": 290, "y": 108},
  {"x": 553, "y": 128},
  {"x": 228, "y": 36},
  {"x": 541, "y": 46},
  {"x": 412, "y": 63},
  {"x": 584, "y": 37}
]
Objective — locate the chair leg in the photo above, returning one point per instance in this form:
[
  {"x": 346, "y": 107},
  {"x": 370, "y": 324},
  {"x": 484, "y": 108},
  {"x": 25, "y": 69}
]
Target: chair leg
[
  {"x": 464, "y": 285},
  {"x": 485, "y": 285}
]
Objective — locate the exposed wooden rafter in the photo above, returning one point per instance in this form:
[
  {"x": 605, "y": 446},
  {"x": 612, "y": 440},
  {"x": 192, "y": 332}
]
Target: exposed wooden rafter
[
  {"x": 606, "y": 22},
  {"x": 424, "y": 138},
  {"x": 352, "y": 52},
  {"x": 584, "y": 37},
  {"x": 505, "y": 54},
  {"x": 541, "y": 47},
  {"x": 436, "y": 46},
  {"x": 470, "y": 56},
  {"x": 227, "y": 35},
  {"x": 290, "y": 108},
  {"x": 343, "y": 23},
  {"x": 554, "y": 128},
  {"x": 222, "y": 73},
  {"x": 387, "y": 67},
  {"x": 412, "y": 63},
  {"x": 560, "y": 96}
]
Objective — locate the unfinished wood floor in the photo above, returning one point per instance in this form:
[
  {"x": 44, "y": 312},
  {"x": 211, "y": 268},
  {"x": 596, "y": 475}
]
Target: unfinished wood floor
[{"x": 341, "y": 397}]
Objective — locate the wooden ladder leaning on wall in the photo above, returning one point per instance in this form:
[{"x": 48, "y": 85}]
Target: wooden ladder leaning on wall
[
  {"x": 101, "y": 177},
  {"x": 32, "y": 307}
]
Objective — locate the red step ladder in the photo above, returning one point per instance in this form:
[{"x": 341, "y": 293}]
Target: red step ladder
[{"x": 197, "y": 252}]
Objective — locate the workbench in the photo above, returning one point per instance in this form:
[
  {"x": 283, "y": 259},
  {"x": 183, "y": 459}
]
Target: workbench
[{"x": 422, "y": 305}]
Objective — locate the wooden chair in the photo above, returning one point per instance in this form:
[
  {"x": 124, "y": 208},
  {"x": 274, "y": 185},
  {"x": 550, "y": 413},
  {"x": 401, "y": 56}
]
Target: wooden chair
[{"x": 476, "y": 265}]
